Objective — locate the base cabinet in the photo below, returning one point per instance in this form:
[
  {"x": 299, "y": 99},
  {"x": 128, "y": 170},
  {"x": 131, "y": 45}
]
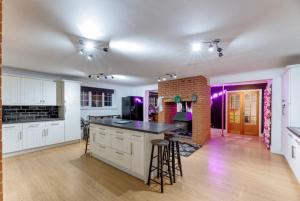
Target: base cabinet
[
  {"x": 292, "y": 153},
  {"x": 12, "y": 138},
  {"x": 32, "y": 135},
  {"x": 124, "y": 149},
  {"x": 53, "y": 132},
  {"x": 18, "y": 137}
]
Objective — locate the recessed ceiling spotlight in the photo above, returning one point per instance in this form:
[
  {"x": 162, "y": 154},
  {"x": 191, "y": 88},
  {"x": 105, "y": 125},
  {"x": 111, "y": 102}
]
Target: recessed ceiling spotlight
[
  {"x": 175, "y": 76},
  {"x": 211, "y": 47},
  {"x": 89, "y": 57},
  {"x": 196, "y": 47},
  {"x": 98, "y": 77},
  {"x": 158, "y": 80},
  {"x": 164, "y": 79},
  {"x": 112, "y": 77},
  {"x": 81, "y": 51}
]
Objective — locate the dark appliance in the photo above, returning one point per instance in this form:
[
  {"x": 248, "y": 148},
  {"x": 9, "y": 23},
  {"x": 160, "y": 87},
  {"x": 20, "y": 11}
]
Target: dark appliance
[{"x": 133, "y": 108}]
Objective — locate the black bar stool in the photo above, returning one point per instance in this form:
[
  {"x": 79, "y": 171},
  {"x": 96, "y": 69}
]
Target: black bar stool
[
  {"x": 163, "y": 158},
  {"x": 175, "y": 153}
]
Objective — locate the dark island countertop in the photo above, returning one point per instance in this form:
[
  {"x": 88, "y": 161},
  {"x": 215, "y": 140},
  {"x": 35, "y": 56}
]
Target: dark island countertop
[
  {"x": 295, "y": 130},
  {"x": 149, "y": 127},
  {"x": 31, "y": 120}
]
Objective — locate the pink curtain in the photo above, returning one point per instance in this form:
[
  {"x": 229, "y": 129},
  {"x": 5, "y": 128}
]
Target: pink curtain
[{"x": 267, "y": 115}]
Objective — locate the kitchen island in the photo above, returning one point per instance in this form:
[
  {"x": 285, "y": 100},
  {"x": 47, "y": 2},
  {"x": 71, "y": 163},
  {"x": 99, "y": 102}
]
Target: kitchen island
[{"x": 126, "y": 145}]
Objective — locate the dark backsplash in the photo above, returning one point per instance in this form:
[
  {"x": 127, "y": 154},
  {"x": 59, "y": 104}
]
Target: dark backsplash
[{"x": 13, "y": 113}]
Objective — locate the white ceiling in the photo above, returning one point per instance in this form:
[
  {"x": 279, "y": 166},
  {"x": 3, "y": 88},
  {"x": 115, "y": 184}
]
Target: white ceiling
[{"x": 256, "y": 34}]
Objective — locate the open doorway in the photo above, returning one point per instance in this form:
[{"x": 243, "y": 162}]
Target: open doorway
[
  {"x": 243, "y": 116},
  {"x": 150, "y": 105},
  {"x": 242, "y": 108}
]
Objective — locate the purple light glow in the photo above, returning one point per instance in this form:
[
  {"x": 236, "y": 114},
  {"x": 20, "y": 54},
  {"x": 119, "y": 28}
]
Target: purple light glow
[
  {"x": 138, "y": 100},
  {"x": 216, "y": 95}
]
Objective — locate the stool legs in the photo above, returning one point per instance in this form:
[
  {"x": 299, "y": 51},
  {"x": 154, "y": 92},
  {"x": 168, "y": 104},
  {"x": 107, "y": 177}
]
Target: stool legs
[
  {"x": 178, "y": 158},
  {"x": 173, "y": 161},
  {"x": 150, "y": 166},
  {"x": 167, "y": 159},
  {"x": 163, "y": 158},
  {"x": 160, "y": 169}
]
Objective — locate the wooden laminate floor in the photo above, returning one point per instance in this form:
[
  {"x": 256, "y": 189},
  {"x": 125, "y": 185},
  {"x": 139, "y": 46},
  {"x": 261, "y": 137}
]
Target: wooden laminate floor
[{"x": 227, "y": 168}]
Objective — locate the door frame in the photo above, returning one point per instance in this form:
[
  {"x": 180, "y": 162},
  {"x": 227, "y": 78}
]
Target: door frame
[{"x": 260, "y": 107}]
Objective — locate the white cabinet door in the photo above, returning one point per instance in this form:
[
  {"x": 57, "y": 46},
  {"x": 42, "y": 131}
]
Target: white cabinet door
[
  {"x": 54, "y": 132},
  {"x": 137, "y": 155},
  {"x": 11, "y": 90},
  {"x": 11, "y": 138},
  {"x": 31, "y": 91},
  {"x": 49, "y": 93},
  {"x": 72, "y": 110},
  {"x": 296, "y": 163},
  {"x": 33, "y": 135}
]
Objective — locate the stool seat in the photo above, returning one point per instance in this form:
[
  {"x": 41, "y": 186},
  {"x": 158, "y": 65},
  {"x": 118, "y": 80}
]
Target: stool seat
[
  {"x": 174, "y": 139},
  {"x": 160, "y": 142}
]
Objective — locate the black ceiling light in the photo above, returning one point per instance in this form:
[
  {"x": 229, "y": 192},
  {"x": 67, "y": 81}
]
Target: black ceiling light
[
  {"x": 215, "y": 44},
  {"x": 89, "y": 48},
  {"x": 99, "y": 76},
  {"x": 167, "y": 76}
]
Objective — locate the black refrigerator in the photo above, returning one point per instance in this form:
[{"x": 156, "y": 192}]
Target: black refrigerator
[{"x": 133, "y": 108}]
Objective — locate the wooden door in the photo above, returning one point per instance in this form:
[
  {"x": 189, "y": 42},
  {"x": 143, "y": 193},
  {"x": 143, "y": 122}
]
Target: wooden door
[
  {"x": 250, "y": 113},
  {"x": 243, "y": 113},
  {"x": 234, "y": 112}
]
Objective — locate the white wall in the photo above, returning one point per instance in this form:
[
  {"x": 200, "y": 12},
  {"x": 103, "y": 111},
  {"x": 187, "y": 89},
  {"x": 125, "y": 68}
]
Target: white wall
[{"x": 275, "y": 76}]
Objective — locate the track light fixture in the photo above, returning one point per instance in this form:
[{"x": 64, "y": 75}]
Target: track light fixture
[
  {"x": 212, "y": 45},
  {"x": 215, "y": 43},
  {"x": 89, "y": 48},
  {"x": 99, "y": 76},
  {"x": 167, "y": 76}
]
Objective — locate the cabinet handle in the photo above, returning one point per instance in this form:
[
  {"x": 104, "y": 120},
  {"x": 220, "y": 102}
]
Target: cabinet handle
[
  {"x": 102, "y": 129},
  {"x": 54, "y": 124},
  {"x": 34, "y": 126},
  {"x": 120, "y": 132},
  {"x": 47, "y": 132},
  {"x": 8, "y": 126},
  {"x": 93, "y": 137},
  {"x": 21, "y": 135},
  {"x": 119, "y": 138},
  {"x": 102, "y": 134},
  {"x": 131, "y": 149},
  {"x": 293, "y": 152},
  {"x": 103, "y": 147},
  {"x": 119, "y": 153},
  {"x": 137, "y": 136}
]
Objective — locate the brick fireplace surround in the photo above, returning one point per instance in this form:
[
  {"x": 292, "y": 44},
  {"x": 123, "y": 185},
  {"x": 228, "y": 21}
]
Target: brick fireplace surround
[{"x": 185, "y": 88}]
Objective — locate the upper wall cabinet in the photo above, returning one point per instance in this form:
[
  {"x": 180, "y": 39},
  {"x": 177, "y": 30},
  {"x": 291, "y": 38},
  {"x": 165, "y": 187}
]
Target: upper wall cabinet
[
  {"x": 11, "y": 88},
  {"x": 28, "y": 91}
]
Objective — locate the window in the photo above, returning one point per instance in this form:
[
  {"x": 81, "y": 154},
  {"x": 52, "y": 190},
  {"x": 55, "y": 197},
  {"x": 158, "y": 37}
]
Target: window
[
  {"x": 84, "y": 99},
  {"x": 96, "y": 97},
  {"x": 107, "y": 99}
]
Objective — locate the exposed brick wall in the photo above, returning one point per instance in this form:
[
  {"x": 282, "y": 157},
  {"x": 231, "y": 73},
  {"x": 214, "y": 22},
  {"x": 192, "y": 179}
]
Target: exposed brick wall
[
  {"x": 1, "y": 173},
  {"x": 185, "y": 88}
]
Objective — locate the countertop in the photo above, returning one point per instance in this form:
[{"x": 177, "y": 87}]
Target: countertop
[
  {"x": 32, "y": 120},
  {"x": 149, "y": 127},
  {"x": 295, "y": 130}
]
